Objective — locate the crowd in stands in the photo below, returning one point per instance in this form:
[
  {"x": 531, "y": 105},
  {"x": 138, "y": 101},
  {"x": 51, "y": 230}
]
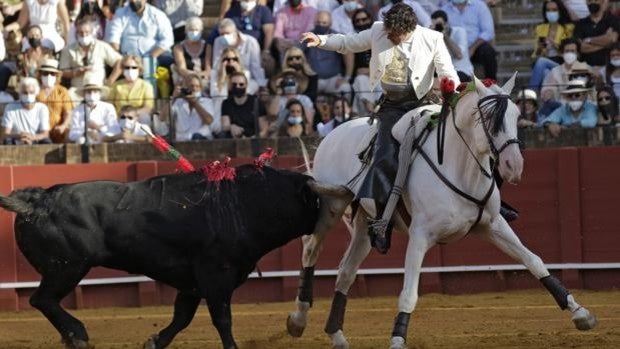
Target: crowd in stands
[{"x": 114, "y": 71}]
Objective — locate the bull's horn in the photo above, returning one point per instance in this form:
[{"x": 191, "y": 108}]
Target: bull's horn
[{"x": 329, "y": 189}]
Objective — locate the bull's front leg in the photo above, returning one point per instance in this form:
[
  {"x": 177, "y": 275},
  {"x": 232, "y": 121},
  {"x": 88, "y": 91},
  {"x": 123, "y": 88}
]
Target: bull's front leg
[
  {"x": 185, "y": 307},
  {"x": 221, "y": 317}
]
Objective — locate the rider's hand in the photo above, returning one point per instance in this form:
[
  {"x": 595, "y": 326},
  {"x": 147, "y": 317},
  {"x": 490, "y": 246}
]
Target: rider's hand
[{"x": 311, "y": 39}]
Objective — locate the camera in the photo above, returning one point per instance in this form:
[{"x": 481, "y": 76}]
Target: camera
[
  {"x": 185, "y": 91},
  {"x": 288, "y": 82}
]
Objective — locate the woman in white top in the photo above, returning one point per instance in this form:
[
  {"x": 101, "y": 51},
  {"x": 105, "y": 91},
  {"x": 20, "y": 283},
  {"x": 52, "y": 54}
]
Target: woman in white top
[{"x": 45, "y": 14}]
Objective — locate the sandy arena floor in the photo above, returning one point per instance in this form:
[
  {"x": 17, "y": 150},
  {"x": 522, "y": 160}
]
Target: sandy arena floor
[{"x": 524, "y": 319}]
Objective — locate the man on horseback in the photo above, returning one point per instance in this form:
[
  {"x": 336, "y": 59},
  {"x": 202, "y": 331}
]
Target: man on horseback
[{"x": 404, "y": 58}]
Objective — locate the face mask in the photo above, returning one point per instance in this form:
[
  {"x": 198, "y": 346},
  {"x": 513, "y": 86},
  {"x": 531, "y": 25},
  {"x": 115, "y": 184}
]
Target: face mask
[
  {"x": 615, "y": 79},
  {"x": 89, "y": 7},
  {"x": 575, "y": 105},
  {"x": 230, "y": 69},
  {"x": 606, "y": 109},
  {"x": 320, "y": 30},
  {"x": 92, "y": 97},
  {"x": 615, "y": 62},
  {"x": 295, "y": 120},
  {"x": 360, "y": 28},
  {"x": 291, "y": 90},
  {"x": 459, "y": 2},
  {"x": 569, "y": 57},
  {"x": 34, "y": 42},
  {"x": 294, "y": 3},
  {"x": 439, "y": 27},
  {"x": 247, "y": 6},
  {"x": 127, "y": 124},
  {"x": 131, "y": 74},
  {"x": 338, "y": 118},
  {"x": 28, "y": 98},
  {"x": 394, "y": 2},
  {"x": 136, "y": 5},
  {"x": 553, "y": 17},
  {"x": 296, "y": 66},
  {"x": 48, "y": 80},
  {"x": 594, "y": 8},
  {"x": 237, "y": 91},
  {"x": 351, "y": 6},
  {"x": 85, "y": 40},
  {"x": 229, "y": 39}
]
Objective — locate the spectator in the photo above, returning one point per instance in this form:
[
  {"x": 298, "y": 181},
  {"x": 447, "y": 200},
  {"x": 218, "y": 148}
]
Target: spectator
[
  {"x": 26, "y": 122},
  {"x": 92, "y": 13},
  {"x": 132, "y": 131},
  {"x": 597, "y": 32},
  {"x": 329, "y": 66},
  {"x": 611, "y": 72},
  {"x": 548, "y": 36},
  {"x": 475, "y": 17},
  {"x": 241, "y": 112},
  {"x": 132, "y": 90},
  {"x": 253, "y": 20},
  {"x": 190, "y": 54},
  {"x": 342, "y": 16},
  {"x": 578, "y": 111},
  {"x": 142, "y": 30},
  {"x": 288, "y": 85},
  {"x": 559, "y": 76},
  {"x": 178, "y": 11},
  {"x": 35, "y": 51},
  {"x": 102, "y": 125},
  {"x": 45, "y": 14},
  {"x": 320, "y": 5},
  {"x": 193, "y": 113},
  {"x": 295, "y": 59},
  {"x": 341, "y": 112},
  {"x": 89, "y": 55},
  {"x": 527, "y": 101},
  {"x": 323, "y": 107},
  {"x": 607, "y": 104},
  {"x": 424, "y": 19},
  {"x": 364, "y": 98},
  {"x": 291, "y": 22},
  {"x": 226, "y": 5},
  {"x": 2, "y": 49},
  {"x": 577, "y": 9},
  {"x": 57, "y": 100},
  {"x": 5, "y": 97},
  {"x": 295, "y": 119},
  {"x": 246, "y": 46},
  {"x": 456, "y": 42}
]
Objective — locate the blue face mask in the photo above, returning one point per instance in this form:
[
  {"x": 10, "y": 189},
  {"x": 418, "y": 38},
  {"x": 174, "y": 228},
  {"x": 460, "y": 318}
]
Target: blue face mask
[
  {"x": 459, "y": 2},
  {"x": 553, "y": 17}
]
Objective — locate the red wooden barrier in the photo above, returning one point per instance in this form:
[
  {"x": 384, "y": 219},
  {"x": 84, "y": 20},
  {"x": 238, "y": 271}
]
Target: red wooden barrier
[{"x": 567, "y": 201}]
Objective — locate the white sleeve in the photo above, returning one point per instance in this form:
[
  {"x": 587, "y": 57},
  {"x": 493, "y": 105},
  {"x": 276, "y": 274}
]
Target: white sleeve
[{"x": 44, "y": 116}]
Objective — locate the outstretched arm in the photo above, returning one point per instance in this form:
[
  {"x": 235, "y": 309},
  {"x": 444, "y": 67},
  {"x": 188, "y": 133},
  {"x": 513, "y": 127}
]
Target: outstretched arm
[{"x": 357, "y": 42}]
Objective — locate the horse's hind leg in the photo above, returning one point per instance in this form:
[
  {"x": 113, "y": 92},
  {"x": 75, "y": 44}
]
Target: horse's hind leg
[
  {"x": 53, "y": 288},
  {"x": 332, "y": 210},
  {"x": 185, "y": 306},
  {"x": 358, "y": 250},
  {"x": 502, "y": 236}
]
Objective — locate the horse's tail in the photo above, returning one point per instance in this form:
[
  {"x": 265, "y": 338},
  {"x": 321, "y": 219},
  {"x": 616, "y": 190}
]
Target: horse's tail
[
  {"x": 304, "y": 153},
  {"x": 15, "y": 205}
]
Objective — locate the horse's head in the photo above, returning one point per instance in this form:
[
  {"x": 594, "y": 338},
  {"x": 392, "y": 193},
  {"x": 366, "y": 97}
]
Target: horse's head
[{"x": 498, "y": 116}]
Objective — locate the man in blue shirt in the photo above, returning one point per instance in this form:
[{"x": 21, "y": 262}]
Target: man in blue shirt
[
  {"x": 254, "y": 20},
  {"x": 475, "y": 17},
  {"x": 577, "y": 112}
]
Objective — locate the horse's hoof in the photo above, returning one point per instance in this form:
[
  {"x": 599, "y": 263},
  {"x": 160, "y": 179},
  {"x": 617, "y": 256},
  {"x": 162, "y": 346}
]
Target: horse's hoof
[
  {"x": 339, "y": 341},
  {"x": 151, "y": 343},
  {"x": 294, "y": 326},
  {"x": 584, "y": 320},
  {"x": 397, "y": 343}
]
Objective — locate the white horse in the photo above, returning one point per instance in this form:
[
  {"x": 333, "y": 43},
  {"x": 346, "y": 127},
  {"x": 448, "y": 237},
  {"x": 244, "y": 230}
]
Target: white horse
[{"x": 483, "y": 126}]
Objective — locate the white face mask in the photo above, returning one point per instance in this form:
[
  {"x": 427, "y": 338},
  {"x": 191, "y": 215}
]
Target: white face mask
[
  {"x": 197, "y": 94},
  {"x": 194, "y": 35},
  {"x": 127, "y": 124},
  {"x": 229, "y": 39},
  {"x": 131, "y": 74},
  {"x": 85, "y": 40},
  {"x": 615, "y": 62},
  {"x": 569, "y": 57},
  {"x": 48, "y": 80},
  {"x": 351, "y": 6},
  {"x": 28, "y": 98},
  {"x": 92, "y": 97},
  {"x": 295, "y": 120},
  {"x": 247, "y": 6},
  {"x": 575, "y": 105},
  {"x": 615, "y": 79}
]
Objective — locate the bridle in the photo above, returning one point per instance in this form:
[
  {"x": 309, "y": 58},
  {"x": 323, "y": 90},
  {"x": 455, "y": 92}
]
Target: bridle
[{"x": 494, "y": 150}]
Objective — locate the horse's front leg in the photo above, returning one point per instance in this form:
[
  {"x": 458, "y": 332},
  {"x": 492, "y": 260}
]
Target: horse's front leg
[
  {"x": 501, "y": 235},
  {"x": 331, "y": 211},
  {"x": 417, "y": 247}
]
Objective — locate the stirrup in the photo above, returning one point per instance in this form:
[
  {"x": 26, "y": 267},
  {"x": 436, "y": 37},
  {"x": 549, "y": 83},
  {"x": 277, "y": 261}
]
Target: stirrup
[{"x": 378, "y": 230}]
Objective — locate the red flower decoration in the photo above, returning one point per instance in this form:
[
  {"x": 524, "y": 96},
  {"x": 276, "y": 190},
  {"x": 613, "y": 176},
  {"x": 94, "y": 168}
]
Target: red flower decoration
[
  {"x": 264, "y": 159},
  {"x": 217, "y": 171},
  {"x": 488, "y": 82},
  {"x": 447, "y": 86}
]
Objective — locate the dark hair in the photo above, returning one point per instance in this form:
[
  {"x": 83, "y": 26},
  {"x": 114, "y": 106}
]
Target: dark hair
[
  {"x": 614, "y": 100},
  {"x": 609, "y": 68},
  {"x": 294, "y": 101},
  {"x": 362, "y": 10},
  {"x": 129, "y": 109},
  {"x": 569, "y": 41},
  {"x": 238, "y": 73},
  {"x": 400, "y": 19},
  {"x": 564, "y": 17},
  {"x": 440, "y": 14}
]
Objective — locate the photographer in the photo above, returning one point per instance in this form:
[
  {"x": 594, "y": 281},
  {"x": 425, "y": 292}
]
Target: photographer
[
  {"x": 456, "y": 41},
  {"x": 287, "y": 86},
  {"x": 193, "y": 113}
]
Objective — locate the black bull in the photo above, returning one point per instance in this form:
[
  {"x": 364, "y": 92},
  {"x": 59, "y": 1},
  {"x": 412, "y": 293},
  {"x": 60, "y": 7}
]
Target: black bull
[{"x": 200, "y": 237}]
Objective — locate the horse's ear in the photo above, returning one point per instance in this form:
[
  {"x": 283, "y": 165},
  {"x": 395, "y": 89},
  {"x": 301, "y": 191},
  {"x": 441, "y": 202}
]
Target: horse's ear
[
  {"x": 510, "y": 84},
  {"x": 480, "y": 88}
]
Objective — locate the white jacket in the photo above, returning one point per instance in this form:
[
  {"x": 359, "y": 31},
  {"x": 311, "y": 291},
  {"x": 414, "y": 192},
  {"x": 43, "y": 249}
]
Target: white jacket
[{"x": 428, "y": 52}]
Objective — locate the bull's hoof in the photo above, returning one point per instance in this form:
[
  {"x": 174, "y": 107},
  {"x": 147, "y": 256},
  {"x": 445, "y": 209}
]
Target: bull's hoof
[
  {"x": 584, "y": 320},
  {"x": 339, "y": 341},
  {"x": 397, "y": 343},
  {"x": 151, "y": 343},
  {"x": 294, "y": 325},
  {"x": 74, "y": 343}
]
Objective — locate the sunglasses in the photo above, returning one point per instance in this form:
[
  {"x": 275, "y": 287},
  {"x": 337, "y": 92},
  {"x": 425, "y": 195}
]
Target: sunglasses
[
  {"x": 236, "y": 84},
  {"x": 230, "y": 59},
  {"x": 123, "y": 117},
  {"x": 294, "y": 58},
  {"x": 131, "y": 67},
  {"x": 604, "y": 98},
  {"x": 360, "y": 20},
  {"x": 46, "y": 73},
  {"x": 574, "y": 95}
]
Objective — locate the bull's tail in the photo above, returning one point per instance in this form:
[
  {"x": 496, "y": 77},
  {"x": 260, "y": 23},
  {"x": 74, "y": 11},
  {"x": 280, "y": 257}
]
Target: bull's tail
[
  {"x": 15, "y": 205},
  {"x": 304, "y": 153}
]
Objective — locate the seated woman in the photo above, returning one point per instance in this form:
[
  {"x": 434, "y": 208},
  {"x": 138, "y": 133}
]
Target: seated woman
[
  {"x": 610, "y": 74},
  {"x": 45, "y": 14},
  {"x": 548, "y": 37},
  {"x": 190, "y": 54},
  {"x": 288, "y": 86},
  {"x": 35, "y": 49},
  {"x": 91, "y": 12},
  {"x": 607, "y": 104},
  {"x": 295, "y": 121},
  {"x": 57, "y": 100},
  {"x": 132, "y": 90},
  {"x": 294, "y": 58}
]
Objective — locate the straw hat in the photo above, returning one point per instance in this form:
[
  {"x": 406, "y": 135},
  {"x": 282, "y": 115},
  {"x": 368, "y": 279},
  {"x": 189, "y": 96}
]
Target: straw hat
[
  {"x": 92, "y": 82},
  {"x": 49, "y": 65},
  {"x": 575, "y": 86},
  {"x": 302, "y": 80}
]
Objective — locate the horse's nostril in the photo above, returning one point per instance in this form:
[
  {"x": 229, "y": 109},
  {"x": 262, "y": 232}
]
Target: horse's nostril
[{"x": 508, "y": 164}]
